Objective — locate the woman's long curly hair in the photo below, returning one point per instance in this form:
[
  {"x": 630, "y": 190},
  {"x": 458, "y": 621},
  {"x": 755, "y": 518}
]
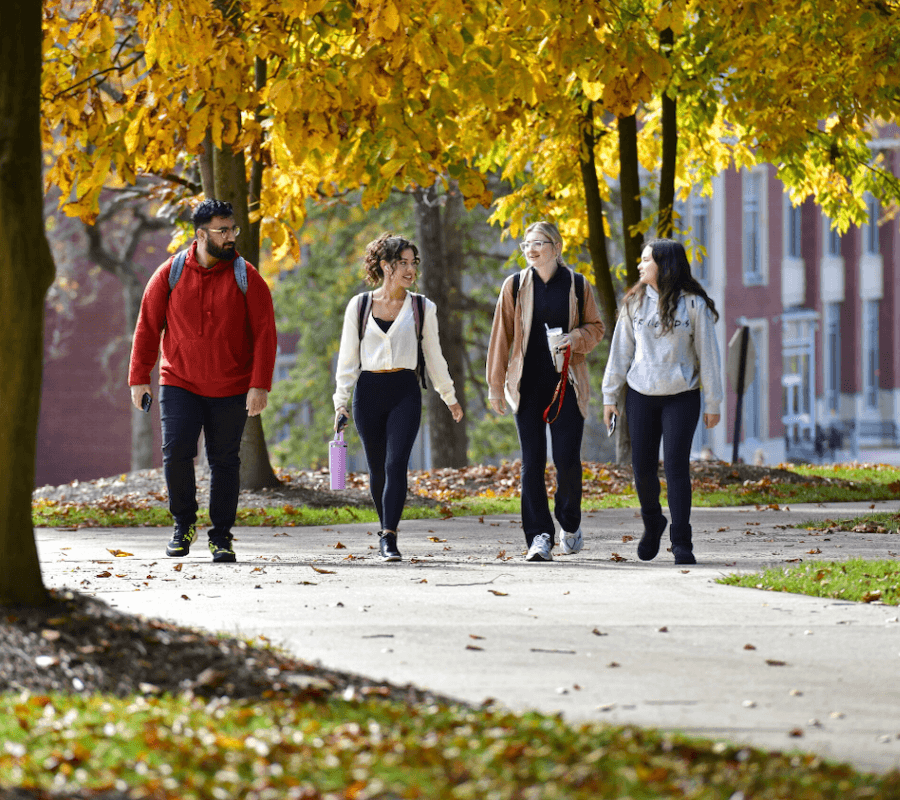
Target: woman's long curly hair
[
  {"x": 386, "y": 247},
  {"x": 674, "y": 279}
]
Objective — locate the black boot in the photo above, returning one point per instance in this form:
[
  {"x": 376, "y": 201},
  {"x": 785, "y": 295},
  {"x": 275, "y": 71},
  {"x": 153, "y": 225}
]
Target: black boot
[
  {"x": 648, "y": 546},
  {"x": 387, "y": 545},
  {"x": 682, "y": 548}
]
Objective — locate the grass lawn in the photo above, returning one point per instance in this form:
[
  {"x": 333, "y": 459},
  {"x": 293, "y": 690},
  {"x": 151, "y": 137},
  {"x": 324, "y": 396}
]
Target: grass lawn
[
  {"x": 868, "y": 484},
  {"x": 187, "y": 748},
  {"x": 856, "y": 579}
]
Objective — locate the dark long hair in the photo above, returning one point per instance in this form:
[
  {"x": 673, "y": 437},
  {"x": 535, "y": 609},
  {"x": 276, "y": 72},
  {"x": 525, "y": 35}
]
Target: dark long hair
[
  {"x": 386, "y": 247},
  {"x": 673, "y": 280}
]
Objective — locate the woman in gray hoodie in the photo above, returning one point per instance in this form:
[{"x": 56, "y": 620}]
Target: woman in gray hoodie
[{"x": 664, "y": 348}]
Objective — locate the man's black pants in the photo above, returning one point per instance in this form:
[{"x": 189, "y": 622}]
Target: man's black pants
[{"x": 183, "y": 415}]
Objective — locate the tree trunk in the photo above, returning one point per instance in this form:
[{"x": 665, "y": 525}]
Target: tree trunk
[
  {"x": 597, "y": 245},
  {"x": 441, "y": 282},
  {"x": 26, "y": 272},
  {"x": 630, "y": 182},
  {"x": 229, "y": 175},
  {"x": 666, "y": 221}
]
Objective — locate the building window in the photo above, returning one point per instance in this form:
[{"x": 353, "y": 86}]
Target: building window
[
  {"x": 871, "y": 354},
  {"x": 753, "y": 200},
  {"x": 870, "y": 229},
  {"x": 700, "y": 237},
  {"x": 832, "y": 359},
  {"x": 833, "y": 242},
  {"x": 793, "y": 230},
  {"x": 752, "y": 422}
]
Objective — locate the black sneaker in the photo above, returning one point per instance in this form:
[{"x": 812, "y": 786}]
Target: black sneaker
[
  {"x": 181, "y": 541},
  {"x": 387, "y": 545},
  {"x": 221, "y": 551}
]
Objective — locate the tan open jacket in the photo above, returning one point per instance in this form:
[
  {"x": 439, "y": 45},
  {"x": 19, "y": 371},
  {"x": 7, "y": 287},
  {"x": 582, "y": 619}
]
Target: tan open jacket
[{"x": 509, "y": 339}]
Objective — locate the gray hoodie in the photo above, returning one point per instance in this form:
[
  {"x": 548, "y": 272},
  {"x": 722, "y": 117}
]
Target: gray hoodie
[{"x": 683, "y": 359}]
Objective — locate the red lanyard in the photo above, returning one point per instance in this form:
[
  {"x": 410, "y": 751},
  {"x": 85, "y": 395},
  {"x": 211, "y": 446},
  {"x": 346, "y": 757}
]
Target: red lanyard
[{"x": 560, "y": 390}]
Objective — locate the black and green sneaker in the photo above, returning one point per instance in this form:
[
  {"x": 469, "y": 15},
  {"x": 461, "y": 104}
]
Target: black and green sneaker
[
  {"x": 181, "y": 541},
  {"x": 221, "y": 551}
]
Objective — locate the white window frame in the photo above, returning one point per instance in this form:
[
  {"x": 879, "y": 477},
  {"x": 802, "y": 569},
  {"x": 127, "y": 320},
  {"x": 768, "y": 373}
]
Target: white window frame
[
  {"x": 700, "y": 214},
  {"x": 793, "y": 230},
  {"x": 832, "y": 240},
  {"x": 871, "y": 355},
  {"x": 831, "y": 358},
  {"x": 871, "y": 241},
  {"x": 756, "y": 397},
  {"x": 754, "y": 227}
]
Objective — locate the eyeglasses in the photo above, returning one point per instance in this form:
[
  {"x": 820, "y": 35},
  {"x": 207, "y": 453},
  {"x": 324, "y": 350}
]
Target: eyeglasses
[
  {"x": 236, "y": 230},
  {"x": 524, "y": 246}
]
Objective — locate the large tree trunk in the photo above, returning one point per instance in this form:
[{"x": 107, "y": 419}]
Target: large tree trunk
[
  {"x": 26, "y": 272},
  {"x": 630, "y": 182},
  {"x": 666, "y": 221},
  {"x": 229, "y": 176},
  {"x": 441, "y": 282},
  {"x": 597, "y": 245}
]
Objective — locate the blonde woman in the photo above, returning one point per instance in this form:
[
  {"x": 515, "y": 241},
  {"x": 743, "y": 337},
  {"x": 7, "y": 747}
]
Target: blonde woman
[{"x": 522, "y": 374}]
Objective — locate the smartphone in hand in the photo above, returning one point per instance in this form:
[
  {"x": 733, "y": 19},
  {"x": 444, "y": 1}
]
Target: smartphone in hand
[
  {"x": 343, "y": 419},
  {"x": 146, "y": 402},
  {"x": 611, "y": 428}
]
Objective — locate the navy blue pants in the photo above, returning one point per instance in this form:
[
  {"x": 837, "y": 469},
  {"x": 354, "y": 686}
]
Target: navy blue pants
[
  {"x": 566, "y": 432},
  {"x": 671, "y": 419},
  {"x": 183, "y": 415},
  {"x": 387, "y": 408}
]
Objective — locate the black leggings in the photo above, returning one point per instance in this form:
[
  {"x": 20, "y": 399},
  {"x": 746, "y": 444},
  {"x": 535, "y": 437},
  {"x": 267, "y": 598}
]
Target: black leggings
[
  {"x": 387, "y": 408},
  {"x": 672, "y": 419}
]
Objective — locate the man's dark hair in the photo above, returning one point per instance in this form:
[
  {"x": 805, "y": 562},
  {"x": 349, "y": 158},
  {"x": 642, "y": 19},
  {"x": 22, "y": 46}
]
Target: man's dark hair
[{"x": 209, "y": 209}]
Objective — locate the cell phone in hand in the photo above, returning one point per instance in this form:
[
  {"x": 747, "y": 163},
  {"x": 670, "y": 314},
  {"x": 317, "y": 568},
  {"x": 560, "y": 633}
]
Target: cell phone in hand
[
  {"x": 343, "y": 419},
  {"x": 146, "y": 402},
  {"x": 611, "y": 428}
]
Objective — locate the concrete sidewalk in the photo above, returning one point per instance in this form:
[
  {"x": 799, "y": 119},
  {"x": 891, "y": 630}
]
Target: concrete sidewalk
[{"x": 598, "y": 636}]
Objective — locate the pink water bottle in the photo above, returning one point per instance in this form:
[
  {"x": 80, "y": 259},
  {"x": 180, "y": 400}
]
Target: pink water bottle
[{"x": 337, "y": 462}]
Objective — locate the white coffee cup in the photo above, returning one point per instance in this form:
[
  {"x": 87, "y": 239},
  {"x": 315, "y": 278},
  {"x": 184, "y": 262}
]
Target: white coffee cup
[{"x": 555, "y": 337}]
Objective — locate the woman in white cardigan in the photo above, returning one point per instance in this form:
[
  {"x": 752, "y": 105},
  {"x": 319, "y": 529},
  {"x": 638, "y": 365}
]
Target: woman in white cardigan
[{"x": 379, "y": 355}]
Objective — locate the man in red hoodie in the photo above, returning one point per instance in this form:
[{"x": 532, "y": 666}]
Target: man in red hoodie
[{"x": 217, "y": 326}]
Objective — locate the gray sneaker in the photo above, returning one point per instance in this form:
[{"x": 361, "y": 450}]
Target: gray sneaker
[
  {"x": 571, "y": 542},
  {"x": 540, "y": 548}
]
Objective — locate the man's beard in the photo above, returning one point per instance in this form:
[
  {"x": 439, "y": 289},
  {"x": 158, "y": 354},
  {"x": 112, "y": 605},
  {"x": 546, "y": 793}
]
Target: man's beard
[{"x": 224, "y": 253}]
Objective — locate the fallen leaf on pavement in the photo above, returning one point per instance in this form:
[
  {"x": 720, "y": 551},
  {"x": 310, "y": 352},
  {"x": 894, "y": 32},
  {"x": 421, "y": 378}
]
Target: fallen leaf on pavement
[
  {"x": 178, "y": 567},
  {"x": 323, "y": 571},
  {"x": 119, "y": 553},
  {"x": 774, "y": 662},
  {"x": 499, "y": 594}
]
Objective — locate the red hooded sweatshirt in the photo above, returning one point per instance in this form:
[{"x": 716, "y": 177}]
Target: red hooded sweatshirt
[{"x": 216, "y": 342}]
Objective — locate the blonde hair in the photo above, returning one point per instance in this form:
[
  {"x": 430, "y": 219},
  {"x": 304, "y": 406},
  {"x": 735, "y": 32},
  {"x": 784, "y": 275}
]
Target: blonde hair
[{"x": 549, "y": 230}]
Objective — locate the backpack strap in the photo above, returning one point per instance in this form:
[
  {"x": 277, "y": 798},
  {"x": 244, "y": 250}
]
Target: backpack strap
[
  {"x": 419, "y": 317},
  {"x": 365, "y": 303},
  {"x": 240, "y": 274},
  {"x": 176, "y": 268},
  {"x": 579, "y": 297},
  {"x": 240, "y": 271}
]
